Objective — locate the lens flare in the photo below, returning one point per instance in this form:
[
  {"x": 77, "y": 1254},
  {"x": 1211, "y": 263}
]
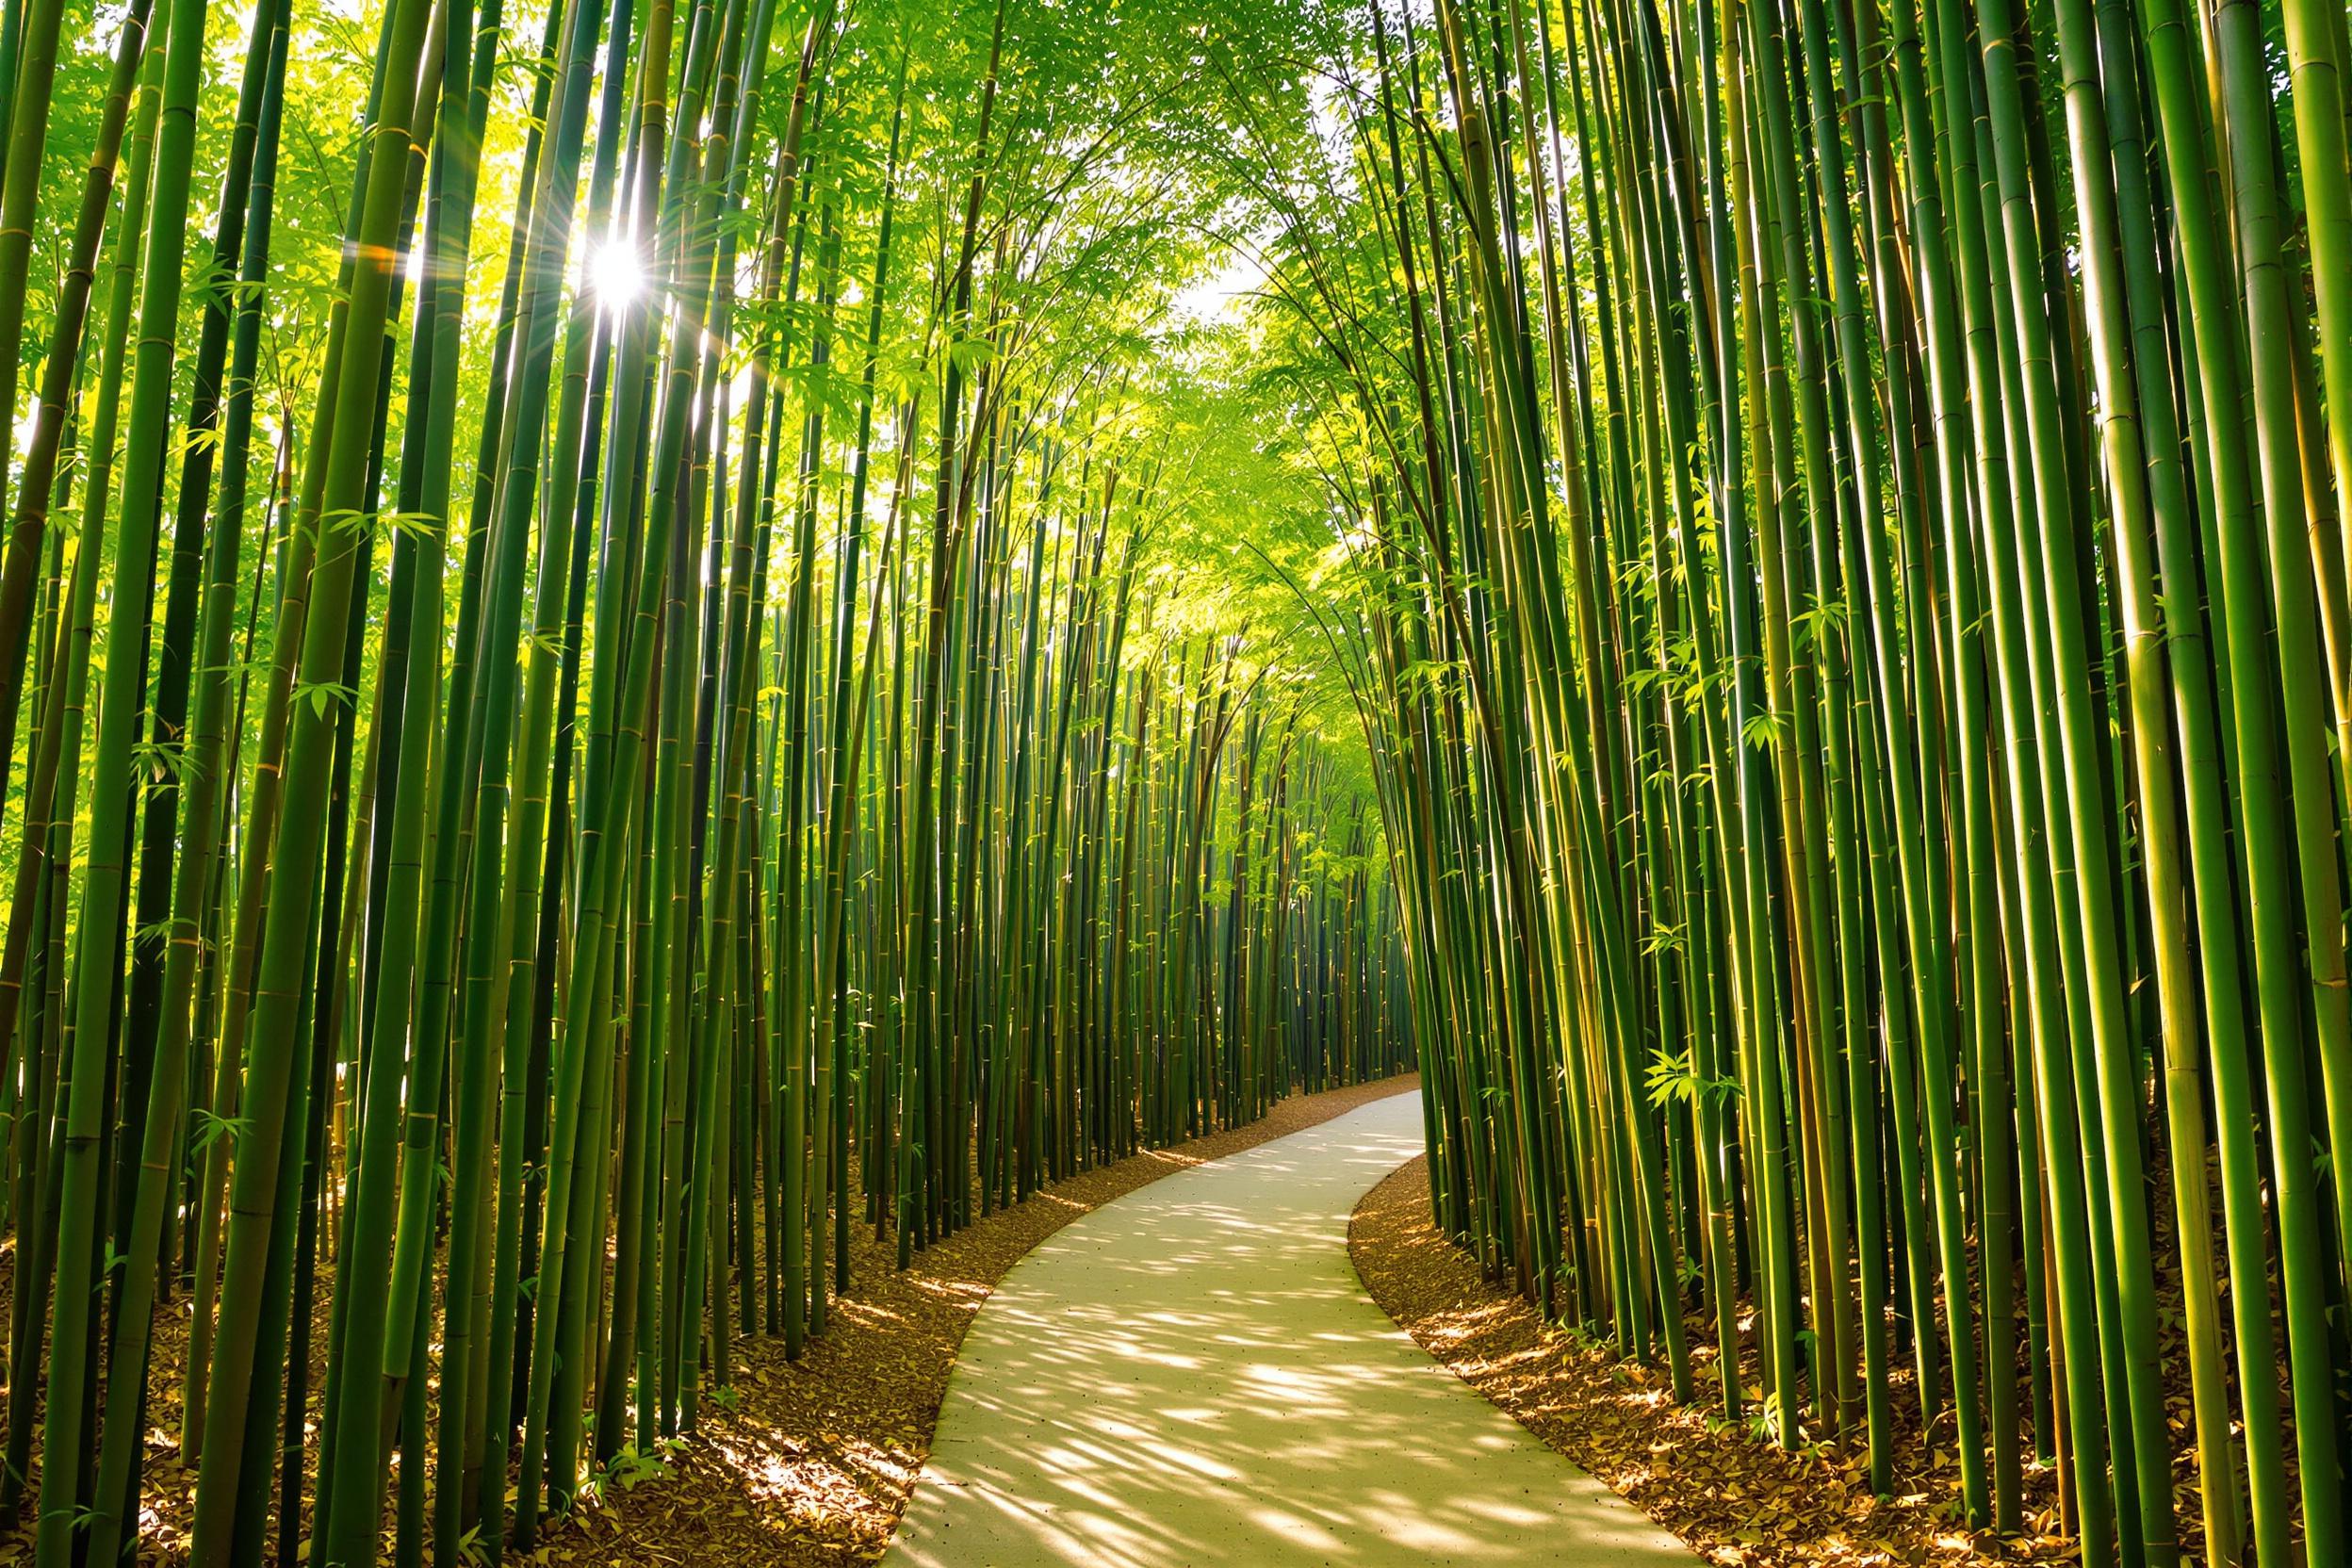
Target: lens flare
[{"x": 616, "y": 274}]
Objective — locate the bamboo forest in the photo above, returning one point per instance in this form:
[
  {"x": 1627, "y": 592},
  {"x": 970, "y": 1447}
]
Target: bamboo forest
[{"x": 1129, "y": 783}]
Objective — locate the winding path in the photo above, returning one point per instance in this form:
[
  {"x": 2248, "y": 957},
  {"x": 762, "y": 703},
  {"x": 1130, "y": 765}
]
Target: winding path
[{"x": 1193, "y": 1375}]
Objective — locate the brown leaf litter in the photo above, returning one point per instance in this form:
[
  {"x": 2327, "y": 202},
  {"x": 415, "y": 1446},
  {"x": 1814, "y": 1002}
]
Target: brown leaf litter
[
  {"x": 1737, "y": 1501},
  {"x": 804, "y": 1464},
  {"x": 814, "y": 1464}
]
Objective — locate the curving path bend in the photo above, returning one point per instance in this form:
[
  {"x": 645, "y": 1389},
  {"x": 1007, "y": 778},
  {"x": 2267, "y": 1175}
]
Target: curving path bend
[{"x": 1193, "y": 1375}]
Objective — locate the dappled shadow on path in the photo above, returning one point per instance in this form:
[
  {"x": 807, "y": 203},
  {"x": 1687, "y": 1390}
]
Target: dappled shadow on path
[{"x": 1193, "y": 1376}]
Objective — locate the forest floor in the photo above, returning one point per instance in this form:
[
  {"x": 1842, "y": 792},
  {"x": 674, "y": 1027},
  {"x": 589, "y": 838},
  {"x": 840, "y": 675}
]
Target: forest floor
[
  {"x": 812, "y": 1465},
  {"x": 800, "y": 1465},
  {"x": 1740, "y": 1502}
]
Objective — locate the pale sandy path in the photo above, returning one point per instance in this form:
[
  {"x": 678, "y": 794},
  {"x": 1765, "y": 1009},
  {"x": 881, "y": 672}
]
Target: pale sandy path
[{"x": 1193, "y": 1375}]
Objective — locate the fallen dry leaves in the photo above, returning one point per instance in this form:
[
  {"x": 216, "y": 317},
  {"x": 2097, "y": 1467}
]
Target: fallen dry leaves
[
  {"x": 1739, "y": 1502},
  {"x": 808, "y": 1463},
  {"x": 814, "y": 1465}
]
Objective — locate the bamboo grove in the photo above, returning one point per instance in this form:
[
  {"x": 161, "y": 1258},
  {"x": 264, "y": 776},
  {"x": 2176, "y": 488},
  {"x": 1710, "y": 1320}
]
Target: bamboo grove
[
  {"x": 618, "y": 685},
  {"x": 1849, "y": 509}
]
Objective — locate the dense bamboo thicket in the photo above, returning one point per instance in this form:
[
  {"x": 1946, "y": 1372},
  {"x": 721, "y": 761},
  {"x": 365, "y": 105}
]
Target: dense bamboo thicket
[
  {"x": 611, "y": 665},
  {"x": 1852, "y": 501},
  {"x": 634, "y": 634}
]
